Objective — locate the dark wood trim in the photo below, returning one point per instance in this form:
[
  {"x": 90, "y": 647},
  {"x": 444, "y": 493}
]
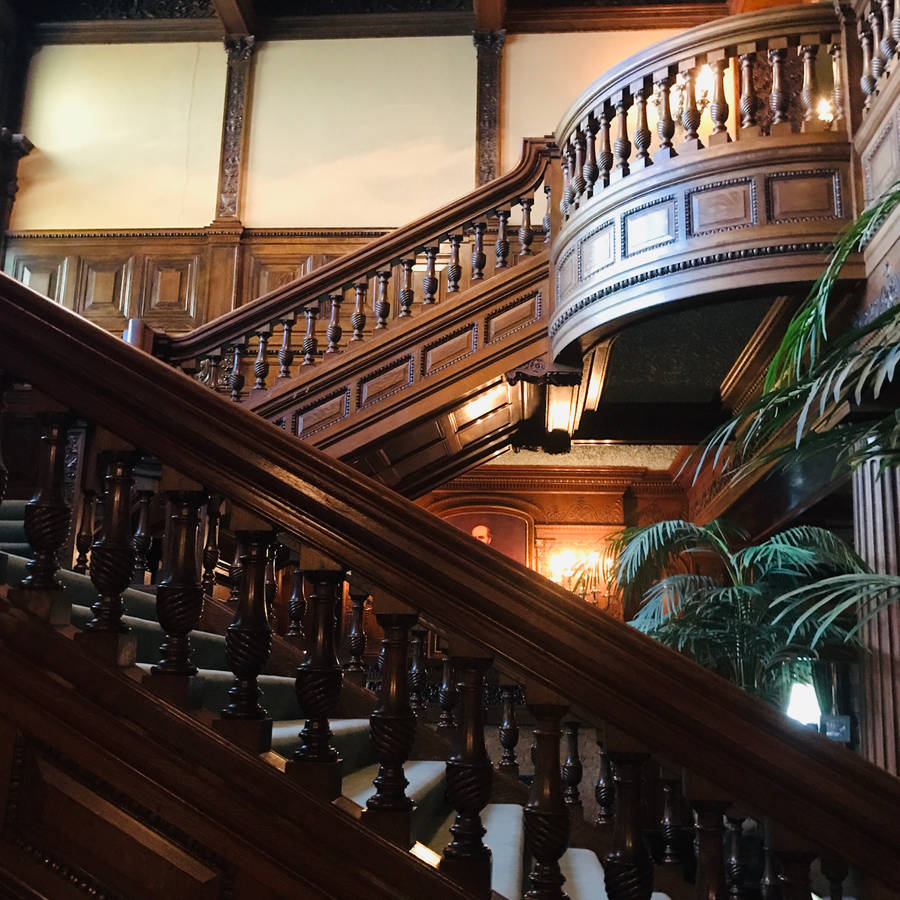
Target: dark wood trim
[
  {"x": 535, "y": 629},
  {"x": 421, "y": 24},
  {"x": 237, "y": 16},
  {"x": 490, "y": 15},
  {"x": 613, "y": 18},
  {"x": 131, "y": 31},
  {"x": 560, "y": 479},
  {"x": 142, "y": 234},
  {"x": 489, "y": 51}
]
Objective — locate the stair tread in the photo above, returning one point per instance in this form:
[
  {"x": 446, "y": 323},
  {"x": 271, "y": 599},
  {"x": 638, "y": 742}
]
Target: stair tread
[
  {"x": 584, "y": 876},
  {"x": 422, "y": 775},
  {"x": 12, "y": 509}
]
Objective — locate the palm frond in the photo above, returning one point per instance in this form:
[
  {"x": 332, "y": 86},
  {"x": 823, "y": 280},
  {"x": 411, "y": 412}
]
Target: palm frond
[
  {"x": 668, "y": 597},
  {"x": 804, "y": 549}
]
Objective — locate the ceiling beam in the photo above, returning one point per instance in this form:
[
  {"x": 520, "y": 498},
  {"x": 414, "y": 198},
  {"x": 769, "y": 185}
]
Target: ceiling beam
[
  {"x": 238, "y": 16},
  {"x": 490, "y": 15},
  {"x": 613, "y": 18}
]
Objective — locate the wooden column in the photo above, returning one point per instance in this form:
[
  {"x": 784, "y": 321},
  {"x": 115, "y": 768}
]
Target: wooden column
[
  {"x": 876, "y": 506},
  {"x": 489, "y": 49}
]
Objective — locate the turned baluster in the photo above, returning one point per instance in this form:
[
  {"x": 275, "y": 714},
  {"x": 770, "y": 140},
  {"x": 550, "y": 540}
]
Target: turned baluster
[
  {"x": 358, "y": 316},
  {"x": 297, "y": 603},
  {"x": 879, "y": 61},
  {"x": 140, "y": 541},
  {"x": 591, "y": 169},
  {"x": 286, "y": 351},
  {"x": 794, "y": 879},
  {"x": 211, "y": 545},
  {"x": 417, "y": 677},
  {"x": 665, "y": 127},
  {"x": 469, "y": 777},
  {"x": 393, "y": 730},
  {"x": 837, "y": 75},
  {"x": 112, "y": 555},
  {"x": 382, "y": 305},
  {"x": 212, "y": 371},
  {"x": 406, "y": 295},
  {"x": 569, "y": 184},
  {"x": 604, "y": 790},
  {"x": 179, "y": 596},
  {"x": 447, "y": 698},
  {"x": 670, "y": 823},
  {"x": 318, "y": 683},
  {"x": 572, "y": 770},
  {"x": 478, "y": 256},
  {"x": 768, "y": 883},
  {"x": 810, "y": 87},
  {"x": 564, "y": 193},
  {"x": 509, "y": 730},
  {"x": 642, "y": 132},
  {"x": 236, "y": 377},
  {"x": 430, "y": 281},
  {"x": 778, "y": 98},
  {"x": 708, "y": 836},
  {"x": 628, "y": 869},
  {"x": 605, "y": 156},
  {"x": 546, "y": 817},
  {"x": 895, "y": 25},
  {"x": 270, "y": 585},
  {"x": 546, "y": 223},
  {"x": 526, "y": 236},
  {"x": 578, "y": 181},
  {"x": 454, "y": 269},
  {"x": 502, "y": 244},
  {"x": 734, "y": 864},
  {"x": 835, "y": 870},
  {"x": 718, "y": 106},
  {"x": 234, "y": 572},
  {"x": 690, "y": 115},
  {"x": 334, "y": 332},
  {"x": 85, "y": 536},
  {"x": 356, "y": 640},
  {"x": 47, "y": 516},
  {"x": 621, "y": 145},
  {"x": 748, "y": 101},
  {"x": 888, "y": 40},
  {"x": 866, "y": 81},
  {"x": 310, "y": 339},
  {"x": 261, "y": 364}
]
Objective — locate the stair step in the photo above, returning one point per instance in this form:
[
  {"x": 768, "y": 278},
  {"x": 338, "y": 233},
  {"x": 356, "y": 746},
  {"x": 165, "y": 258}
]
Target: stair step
[
  {"x": 20, "y": 551},
  {"x": 351, "y": 738},
  {"x": 12, "y": 510},
  {"x": 584, "y": 876},
  {"x": 12, "y": 531}
]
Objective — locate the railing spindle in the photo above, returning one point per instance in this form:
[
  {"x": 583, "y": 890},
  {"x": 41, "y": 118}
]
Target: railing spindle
[
  {"x": 296, "y": 603},
  {"x": 261, "y": 364},
  {"x": 604, "y": 790},
  {"x": 430, "y": 282},
  {"x": 837, "y": 76},
  {"x": 502, "y": 244},
  {"x": 670, "y": 823},
  {"x": 548, "y": 228},
  {"x": 718, "y": 107},
  {"x": 895, "y": 25},
  {"x": 382, "y": 305},
  {"x": 310, "y": 339},
  {"x": 286, "y": 351},
  {"x": 478, "y": 256},
  {"x": 358, "y": 316},
  {"x": 665, "y": 127},
  {"x": 578, "y": 180},
  {"x": 734, "y": 862},
  {"x": 334, "y": 332},
  {"x": 888, "y": 41},
  {"x": 867, "y": 79},
  {"x": 417, "y": 679},
  {"x": 591, "y": 169},
  {"x": 85, "y": 536},
  {"x": 406, "y": 295},
  {"x": 454, "y": 269},
  {"x": 809, "y": 90},
  {"x": 355, "y": 667},
  {"x": 509, "y": 731},
  {"x": 642, "y": 132},
  {"x": 526, "y": 235},
  {"x": 690, "y": 116},
  {"x": 879, "y": 60},
  {"x": 748, "y": 91},
  {"x": 778, "y": 98},
  {"x": 448, "y": 696},
  {"x": 211, "y": 545},
  {"x": 605, "y": 156},
  {"x": 569, "y": 178},
  {"x": 236, "y": 377},
  {"x": 572, "y": 769},
  {"x": 621, "y": 146},
  {"x": 140, "y": 541}
]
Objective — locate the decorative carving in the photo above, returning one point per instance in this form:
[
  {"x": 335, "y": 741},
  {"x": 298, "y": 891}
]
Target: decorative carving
[
  {"x": 297, "y": 604},
  {"x": 478, "y": 257},
  {"x": 310, "y": 341},
  {"x": 211, "y": 545},
  {"x": 417, "y": 679},
  {"x": 239, "y": 51},
  {"x": 430, "y": 281},
  {"x": 489, "y": 51},
  {"x": 85, "y": 536},
  {"x": 406, "y": 294},
  {"x": 140, "y": 541},
  {"x": 356, "y": 641},
  {"x": 734, "y": 865},
  {"x": 261, "y": 363},
  {"x": 454, "y": 269},
  {"x": 286, "y": 352},
  {"x": 509, "y": 730},
  {"x": 448, "y": 696},
  {"x": 382, "y": 306},
  {"x": 334, "y": 332},
  {"x": 628, "y": 868},
  {"x": 572, "y": 769},
  {"x": 358, "y": 316},
  {"x": 604, "y": 792}
]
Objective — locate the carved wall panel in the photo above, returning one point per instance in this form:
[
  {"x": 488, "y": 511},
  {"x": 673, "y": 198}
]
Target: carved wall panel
[
  {"x": 804, "y": 196},
  {"x": 721, "y": 208},
  {"x": 103, "y": 290},
  {"x": 881, "y": 160},
  {"x": 45, "y": 274},
  {"x": 649, "y": 225},
  {"x": 169, "y": 297},
  {"x": 449, "y": 348},
  {"x": 512, "y": 317}
]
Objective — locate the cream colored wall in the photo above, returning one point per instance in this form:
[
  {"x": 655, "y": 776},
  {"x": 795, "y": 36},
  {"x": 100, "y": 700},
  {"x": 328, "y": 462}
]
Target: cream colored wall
[
  {"x": 544, "y": 73},
  {"x": 125, "y": 136},
  {"x": 360, "y": 132}
]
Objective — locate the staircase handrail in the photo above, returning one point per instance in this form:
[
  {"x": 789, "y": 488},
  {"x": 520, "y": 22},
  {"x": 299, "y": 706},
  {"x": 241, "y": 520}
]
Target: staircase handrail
[
  {"x": 533, "y": 627},
  {"x": 360, "y": 264}
]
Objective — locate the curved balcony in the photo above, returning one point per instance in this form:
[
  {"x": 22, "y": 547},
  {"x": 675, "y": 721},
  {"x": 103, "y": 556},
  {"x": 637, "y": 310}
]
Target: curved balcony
[{"x": 703, "y": 166}]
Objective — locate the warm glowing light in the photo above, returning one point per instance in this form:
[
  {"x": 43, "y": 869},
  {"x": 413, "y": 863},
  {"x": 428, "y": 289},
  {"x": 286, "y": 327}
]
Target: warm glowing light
[
  {"x": 803, "y": 704},
  {"x": 563, "y": 564},
  {"x": 825, "y": 111},
  {"x": 426, "y": 854},
  {"x": 704, "y": 85}
]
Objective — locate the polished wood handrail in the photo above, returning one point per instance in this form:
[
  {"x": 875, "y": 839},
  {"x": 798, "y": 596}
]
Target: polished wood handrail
[
  {"x": 234, "y": 325},
  {"x": 535, "y": 628}
]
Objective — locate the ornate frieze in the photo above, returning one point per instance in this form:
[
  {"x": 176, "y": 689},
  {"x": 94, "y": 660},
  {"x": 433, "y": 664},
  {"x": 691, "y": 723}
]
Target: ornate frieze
[
  {"x": 489, "y": 49},
  {"x": 240, "y": 53}
]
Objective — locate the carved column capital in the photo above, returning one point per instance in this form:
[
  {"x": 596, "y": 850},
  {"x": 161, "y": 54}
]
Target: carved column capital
[
  {"x": 489, "y": 41},
  {"x": 239, "y": 47}
]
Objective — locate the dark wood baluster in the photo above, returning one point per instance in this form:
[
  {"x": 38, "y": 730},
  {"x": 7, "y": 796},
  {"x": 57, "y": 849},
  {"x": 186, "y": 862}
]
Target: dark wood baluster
[
  {"x": 628, "y": 869},
  {"x": 179, "y": 600},
  {"x": 416, "y": 677},
  {"x": 478, "y": 257},
  {"x": 621, "y": 146},
  {"x": 502, "y": 244},
  {"x": 591, "y": 170},
  {"x": 334, "y": 332},
  {"x": 358, "y": 317},
  {"x": 234, "y": 572},
  {"x": 286, "y": 351},
  {"x": 564, "y": 193},
  {"x": 568, "y": 160},
  {"x": 47, "y": 519},
  {"x": 572, "y": 769},
  {"x": 879, "y": 61},
  {"x": 248, "y": 642},
  {"x": 690, "y": 116},
  {"x": 547, "y": 226},
  {"x": 509, "y": 730},
  {"x": 355, "y": 667},
  {"x": 604, "y": 790},
  {"x": 211, "y": 545},
  {"x": 837, "y": 75},
  {"x": 642, "y": 134},
  {"x": 448, "y": 697},
  {"x": 769, "y": 888},
  {"x": 85, "y": 536},
  {"x": 140, "y": 541},
  {"x": 835, "y": 870},
  {"x": 748, "y": 102},
  {"x": 605, "y": 156},
  {"x": 546, "y": 817},
  {"x": 454, "y": 269},
  {"x": 718, "y": 106},
  {"x": 670, "y": 823},
  {"x": 526, "y": 235},
  {"x": 795, "y": 855},
  {"x": 393, "y": 730},
  {"x": 430, "y": 282},
  {"x": 236, "y": 377},
  {"x": 212, "y": 369},
  {"x": 297, "y": 604},
  {"x": 406, "y": 295},
  {"x": 271, "y": 586},
  {"x": 469, "y": 775},
  {"x": 867, "y": 80},
  {"x": 382, "y": 306},
  {"x": 316, "y": 763},
  {"x": 809, "y": 91},
  {"x": 261, "y": 364},
  {"x": 778, "y": 98},
  {"x": 665, "y": 127},
  {"x": 310, "y": 339},
  {"x": 709, "y": 810},
  {"x": 888, "y": 40},
  {"x": 578, "y": 181},
  {"x": 734, "y": 863}
]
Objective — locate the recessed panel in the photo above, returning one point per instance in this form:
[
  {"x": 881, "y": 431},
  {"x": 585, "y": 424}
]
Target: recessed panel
[
  {"x": 522, "y": 312},
  {"x": 387, "y": 380},
  {"x": 480, "y": 405},
  {"x": 881, "y": 161},
  {"x": 45, "y": 275},
  {"x": 721, "y": 208},
  {"x": 322, "y": 413},
  {"x": 103, "y": 290},
  {"x": 649, "y": 227},
  {"x": 450, "y": 348},
  {"x": 598, "y": 250},
  {"x": 804, "y": 196},
  {"x": 566, "y": 275},
  {"x": 170, "y": 292},
  {"x": 498, "y": 419}
]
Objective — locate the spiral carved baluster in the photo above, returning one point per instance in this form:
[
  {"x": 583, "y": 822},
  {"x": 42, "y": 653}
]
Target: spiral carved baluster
[
  {"x": 393, "y": 731},
  {"x": 448, "y": 697},
  {"x": 310, "y": 339},
  {"x": 526, "y": 235},
  {"x": 895, "y": 25},
  {"x": 502, "y": 244},
  {"x": 718, "y": 106},
  {"x": 546, "y": 223},
  {"x": 211, "y": 545},
  {"x": 406, "y": 295},
  {"x": 572, "y": 769},
  {"x": 546, "y": 817},
  {"x": 297, "y": 604},
  {"x": 454, "y": 269},
  {"x": 236, "y": 377},
  {"x": 778, "y": 98},
  {"x": 417, "y": 677},
  {"x": 604, "y": 791},
  {"x": 621, "y": 145},
  {"x": 670, "y": 824},
  {"x": 690, "y": 116},
  {"x": 478, "y": 256},
  {"x": 628, "y": 869},
  {"x": 469, "y": 777},
  {"x": 356, "y": 665},
  {"x": 665, "y": 127},
  {"x": 509, "y": 731},
  {"x": 837, "y": 77},
  {"x": 430, "y": 282},
  {"x": 319, "y": 680},
  {"x": 605, "y": 156},
  {"x": 867, "y": 79},
  {"x": 261, "y": 364},
  {"x": 888, "y": 39},
  {"x": 810, "y": 88},
  {"x": 234, "y": 572},
  {"x": 748, "y": 102},
  {"x": 358, "y": 316},
  {"x": 286, "y": 351},
  {"x": 85, "y": 536},
  {"x": 578, "y": 182},
  {"x": 591, "y": 169},
  {"x": 271, "y": 586},
  {"x": 879, "y": 60},
  {"x": 568, "y": 170},
  {"x": 334, "y": 332},
  {"x": 382, "y": 306},
  {"x": 642, "y": 132},
  {"x": 140, "y": 541},
  {"x": 734, "y": 864}
]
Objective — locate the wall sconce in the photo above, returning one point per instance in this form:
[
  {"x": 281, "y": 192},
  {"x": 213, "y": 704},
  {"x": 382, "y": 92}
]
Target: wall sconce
[
  {"x": 559, "y": 418},
  {"x": 587, "y": 572}
]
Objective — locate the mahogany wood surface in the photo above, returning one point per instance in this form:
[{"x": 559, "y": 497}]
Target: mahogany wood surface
[{"x": 535, "y": 628}]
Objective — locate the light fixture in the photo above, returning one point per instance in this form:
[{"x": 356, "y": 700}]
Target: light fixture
[{"x": 825, "y": 111}]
